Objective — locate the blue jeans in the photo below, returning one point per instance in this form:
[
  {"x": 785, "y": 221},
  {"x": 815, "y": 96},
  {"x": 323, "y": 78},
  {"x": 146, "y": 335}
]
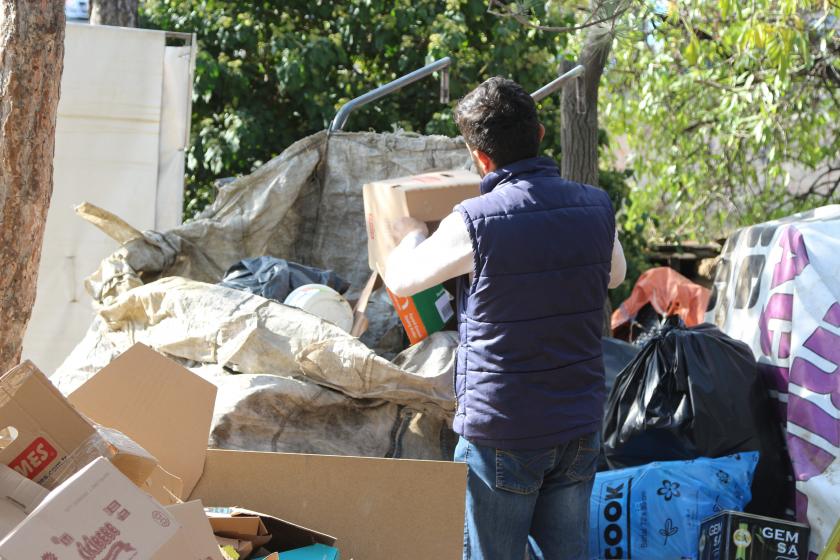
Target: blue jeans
[{"x": 528, "y": 504}]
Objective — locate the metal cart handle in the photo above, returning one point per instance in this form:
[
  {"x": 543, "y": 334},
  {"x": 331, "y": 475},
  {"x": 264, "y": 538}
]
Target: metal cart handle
[
  {"x": 557, "y": 83},
  {"x": 344, "y": 113}
]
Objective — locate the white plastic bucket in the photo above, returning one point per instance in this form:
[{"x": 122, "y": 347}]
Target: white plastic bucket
[{"x": 324, "y": 302}]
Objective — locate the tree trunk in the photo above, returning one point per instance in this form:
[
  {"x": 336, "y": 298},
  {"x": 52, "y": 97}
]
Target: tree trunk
[
  {"x": 120, "y": 13},
  {"x": 579, "y": 134},
  {"x": 31, "y": 61}
]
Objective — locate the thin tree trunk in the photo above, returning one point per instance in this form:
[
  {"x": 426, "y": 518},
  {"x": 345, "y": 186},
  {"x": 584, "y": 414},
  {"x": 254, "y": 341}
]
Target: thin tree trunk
[
  {"x": 31, "y": 62},
  {"x": 120, "y": 13},
  {"x": 579, "y": 133}
]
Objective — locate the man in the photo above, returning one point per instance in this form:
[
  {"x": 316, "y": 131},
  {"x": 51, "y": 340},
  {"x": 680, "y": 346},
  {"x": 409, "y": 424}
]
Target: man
[{"x": 534, "y": 256}]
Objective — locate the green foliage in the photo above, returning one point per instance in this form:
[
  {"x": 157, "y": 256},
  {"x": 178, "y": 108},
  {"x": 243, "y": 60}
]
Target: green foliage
[
  {"x": 719, "y": 100},
  {"x": 269, "y": 73}
]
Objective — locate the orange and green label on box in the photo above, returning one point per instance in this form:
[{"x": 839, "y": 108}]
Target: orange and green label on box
[{"x": 423, "y": 313}]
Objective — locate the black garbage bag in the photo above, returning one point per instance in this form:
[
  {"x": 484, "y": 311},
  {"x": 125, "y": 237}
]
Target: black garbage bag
[
  {"x": 697, "y": 393},
  {"x": 274, "y": 278},
  {"x": 617, "y": 355}
]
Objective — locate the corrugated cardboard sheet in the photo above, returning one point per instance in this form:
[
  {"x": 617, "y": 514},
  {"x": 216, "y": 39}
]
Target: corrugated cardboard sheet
[{"x": 378, "y": 509}]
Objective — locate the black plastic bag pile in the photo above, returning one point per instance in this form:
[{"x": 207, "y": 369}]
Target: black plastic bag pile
[
  {"x": 275, "y": 278},
  {"x": 695, "y": 393}
]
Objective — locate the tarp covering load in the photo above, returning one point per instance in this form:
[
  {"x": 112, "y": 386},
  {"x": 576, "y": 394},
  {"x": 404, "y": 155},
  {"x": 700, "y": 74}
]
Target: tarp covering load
[
  {"x": 305, "y": 206},
  {"x": 668, "y": 293},
  {"x": 696, "y": 393},
  {"x": 778, "y": 289},
  {"x": 288, "y": 380},
  {"x": 261, "y": 353}
]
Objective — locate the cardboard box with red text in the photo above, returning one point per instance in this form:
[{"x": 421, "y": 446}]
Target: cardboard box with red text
[
  {"x": 377, "y": 509},
  {"x": 52, "y": 439},
  {"x": 96, "y": 513}
]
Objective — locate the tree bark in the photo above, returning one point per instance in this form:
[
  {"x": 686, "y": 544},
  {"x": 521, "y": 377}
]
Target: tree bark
[
  {"x": 579, "y": 133},
  {"x": 120, "y": 13},
  {"x": 31, "y": 62}
]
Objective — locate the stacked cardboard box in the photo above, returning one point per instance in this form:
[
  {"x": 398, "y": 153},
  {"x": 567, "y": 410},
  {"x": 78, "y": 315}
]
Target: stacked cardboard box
[{"x": 165, "y": 412}]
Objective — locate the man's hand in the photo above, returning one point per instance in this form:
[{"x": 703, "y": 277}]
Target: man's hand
[{"x": 401, "y": 227}]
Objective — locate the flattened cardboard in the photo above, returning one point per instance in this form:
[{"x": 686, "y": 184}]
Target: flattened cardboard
[
  {"x": 96, "y": 513},
  {"x": 53, "y": 440},
  {"x": 378, "y": 509},
  {"x": 164, "y": 487},
  {"x": 194, "y": 540},
  {"x": 159, "y": 404},
  {"x": 428, "y": 197}
]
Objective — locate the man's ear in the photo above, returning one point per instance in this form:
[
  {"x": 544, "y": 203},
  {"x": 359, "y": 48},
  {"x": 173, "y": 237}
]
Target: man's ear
[
  {"x": 483, "y": 160},
  {"x": 541, "y": 133}
]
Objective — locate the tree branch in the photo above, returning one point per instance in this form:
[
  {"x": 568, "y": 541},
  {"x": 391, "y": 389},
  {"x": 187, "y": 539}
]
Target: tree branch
[
  {"x": 590, "y": 21},
  {"x": 817, "y": 186}
]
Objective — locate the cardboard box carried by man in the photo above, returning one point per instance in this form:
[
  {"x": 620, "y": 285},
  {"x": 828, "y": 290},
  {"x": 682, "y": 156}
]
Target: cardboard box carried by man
[{"x": 428, "y": 197}]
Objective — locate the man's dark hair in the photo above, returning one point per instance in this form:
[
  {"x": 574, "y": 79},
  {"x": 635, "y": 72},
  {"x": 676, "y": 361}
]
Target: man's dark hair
[{"x": 499, "y": 118}]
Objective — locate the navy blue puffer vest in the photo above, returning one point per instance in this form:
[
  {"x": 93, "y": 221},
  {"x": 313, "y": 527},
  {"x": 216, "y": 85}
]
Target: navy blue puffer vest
[{"x": 529, "y": 371}]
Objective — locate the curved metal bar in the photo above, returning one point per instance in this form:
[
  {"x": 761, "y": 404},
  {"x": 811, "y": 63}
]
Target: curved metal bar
[
  {"x": 341, "y": 117},
  {"x": 557, "y": 83}
]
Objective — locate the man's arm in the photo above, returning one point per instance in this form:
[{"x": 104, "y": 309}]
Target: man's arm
[
  {"x": 418, "y": 262},
  {"x": 618, "y": 269}
]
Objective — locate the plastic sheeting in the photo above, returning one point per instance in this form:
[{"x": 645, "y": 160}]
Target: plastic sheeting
[
  {"x": 778, "y": 289},
  {"x": 275, "y": 279}
]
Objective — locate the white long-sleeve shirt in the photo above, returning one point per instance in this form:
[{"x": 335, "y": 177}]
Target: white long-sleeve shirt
[{"x": 418, "y": 262}]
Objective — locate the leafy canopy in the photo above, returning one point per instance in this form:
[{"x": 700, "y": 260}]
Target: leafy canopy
[
  {"x": 731, "y": 110},
  {"x": 269, "y": 73}
]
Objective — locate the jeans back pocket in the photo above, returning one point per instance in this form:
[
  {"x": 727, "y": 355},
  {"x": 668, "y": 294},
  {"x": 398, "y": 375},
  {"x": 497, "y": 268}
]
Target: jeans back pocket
[
  {"x": 587, "y": 450},
  {"x": 523, "y": 471}
]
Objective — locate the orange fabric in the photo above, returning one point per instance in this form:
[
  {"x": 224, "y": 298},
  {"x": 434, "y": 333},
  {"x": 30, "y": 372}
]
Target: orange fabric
[{"x": 670, "y": 293}]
